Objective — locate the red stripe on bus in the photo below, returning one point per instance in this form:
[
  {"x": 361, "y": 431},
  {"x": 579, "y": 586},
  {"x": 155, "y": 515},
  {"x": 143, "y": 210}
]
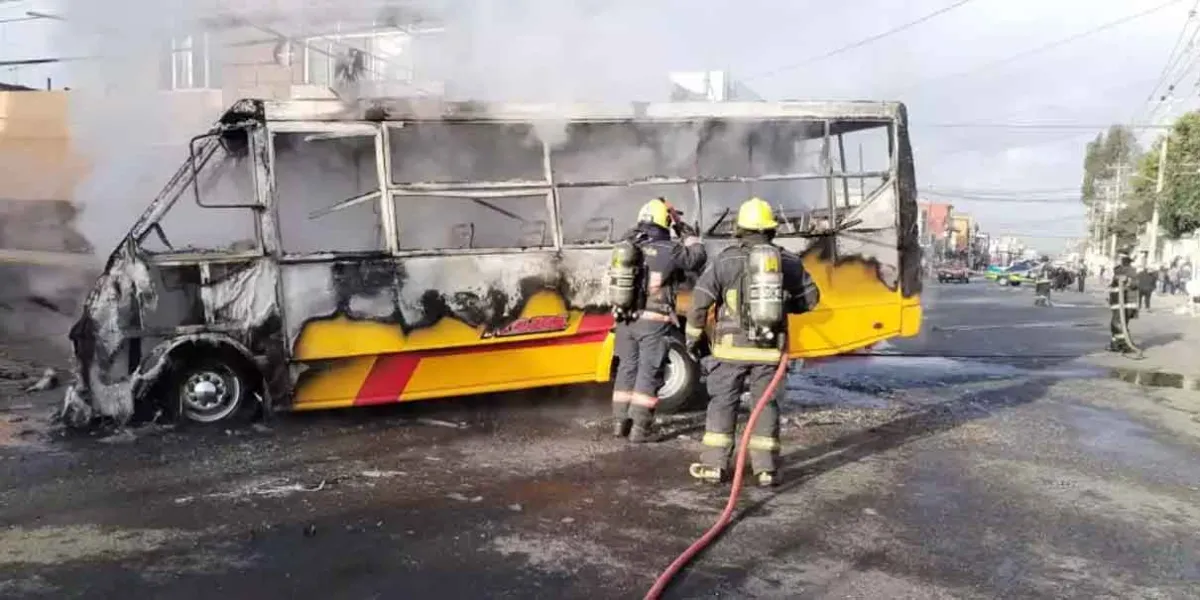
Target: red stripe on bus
[
  {"x": 390, "y": 374},
  {"x": 388, "y": 377}
]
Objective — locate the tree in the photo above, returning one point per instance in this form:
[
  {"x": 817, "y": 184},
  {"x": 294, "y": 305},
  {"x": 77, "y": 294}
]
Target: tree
[
  {"x": 1138, "y": 201},
  {"x": 1179, "y": 210},
  {"x": 1116, "y": 147}
]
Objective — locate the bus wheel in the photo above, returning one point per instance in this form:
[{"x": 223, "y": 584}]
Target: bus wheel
[
  {"x": 209, "y": 390},
  {"x": 681, "y": 379}
]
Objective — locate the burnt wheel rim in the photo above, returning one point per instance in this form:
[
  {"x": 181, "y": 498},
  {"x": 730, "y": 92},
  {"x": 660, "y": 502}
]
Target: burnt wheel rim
[{"x": 210, "y": 394}]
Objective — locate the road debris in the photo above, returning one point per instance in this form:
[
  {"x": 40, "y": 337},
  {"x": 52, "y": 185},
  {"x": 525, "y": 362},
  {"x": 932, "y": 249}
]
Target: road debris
[
  {"x": 383, "y": 474},
  {"x": 121, "y": 436},
  {"x": 48, "y": 381},
  {"x": 440, "y": 423}
]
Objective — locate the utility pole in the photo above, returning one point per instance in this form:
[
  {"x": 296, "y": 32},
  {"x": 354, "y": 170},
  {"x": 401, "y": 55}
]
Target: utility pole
[
  {"x": 1158, "y": 191},
  {"x": 1111, "y": 205}
]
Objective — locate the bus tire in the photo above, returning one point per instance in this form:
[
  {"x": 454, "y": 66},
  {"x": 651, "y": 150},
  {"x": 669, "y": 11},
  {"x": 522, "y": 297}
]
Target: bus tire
[
  {"x": 681, "y": 380},
  {"x": 210, "y": 390}
]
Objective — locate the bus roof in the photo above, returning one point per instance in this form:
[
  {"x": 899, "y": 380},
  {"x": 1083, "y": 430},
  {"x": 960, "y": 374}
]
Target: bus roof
[{"x": 416, "y": 109}]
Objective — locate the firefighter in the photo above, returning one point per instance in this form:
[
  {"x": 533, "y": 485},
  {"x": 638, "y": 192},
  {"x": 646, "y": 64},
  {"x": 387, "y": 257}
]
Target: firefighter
[
  {"x": 647, "y": 266},
  {"x": 1041, "y": 287},
  {"x": 1122, "y": 297},
  {"x": 752, "y": 286}
]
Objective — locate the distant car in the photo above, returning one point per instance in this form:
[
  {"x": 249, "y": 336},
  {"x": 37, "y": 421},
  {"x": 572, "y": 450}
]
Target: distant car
[
  {"x": 1014, "y": 274},
  {"x": 954, "y": 273}
]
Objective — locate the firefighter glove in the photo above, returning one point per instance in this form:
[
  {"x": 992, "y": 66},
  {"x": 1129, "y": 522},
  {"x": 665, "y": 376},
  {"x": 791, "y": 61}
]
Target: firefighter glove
[{"x": 685, "y": 230}]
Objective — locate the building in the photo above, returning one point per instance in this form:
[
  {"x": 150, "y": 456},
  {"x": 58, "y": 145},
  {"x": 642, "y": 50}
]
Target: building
[
  {"x": 1005, "y": 250},
  {"x": 39, "y": 170},
  {"x": 708, "y": 86},
  {"x": 962, "y": 232},
  {"x": 933, "y": 225}
]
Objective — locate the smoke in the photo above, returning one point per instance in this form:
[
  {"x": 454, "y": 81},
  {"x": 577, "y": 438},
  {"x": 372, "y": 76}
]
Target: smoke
[{"x": 132, "y": 131}]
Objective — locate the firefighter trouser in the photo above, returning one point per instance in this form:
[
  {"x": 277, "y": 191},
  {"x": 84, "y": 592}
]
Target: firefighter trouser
[
  {"x": 641, "y": 349},
  {"x": 1120, "y": 337},
  {"x": 726, "y": 382}
]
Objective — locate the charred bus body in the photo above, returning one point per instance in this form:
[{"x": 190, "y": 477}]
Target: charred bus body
[{"x": 314, "y": 254}]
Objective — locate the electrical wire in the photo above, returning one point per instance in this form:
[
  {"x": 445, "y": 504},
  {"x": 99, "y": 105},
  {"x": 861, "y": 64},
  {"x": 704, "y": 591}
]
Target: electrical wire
[
  {"x": 1048, "y": 46},
  {"x": 1002, "y": 191},
  {"x": 1039, "y": 126},
  {"x": 1013, "y": 200},
  {"x": 859, "y": 43},
  {"x": 1169, "y": 95},
  {"x": 1172, "y": 57}
]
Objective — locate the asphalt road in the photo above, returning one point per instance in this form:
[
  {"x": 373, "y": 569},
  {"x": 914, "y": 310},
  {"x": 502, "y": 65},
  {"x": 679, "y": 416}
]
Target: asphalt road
[{"x": 988, "y": 458}]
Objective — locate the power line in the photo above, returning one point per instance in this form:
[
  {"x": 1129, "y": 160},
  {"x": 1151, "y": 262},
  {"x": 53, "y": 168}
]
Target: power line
[
  {"x": 860, "y": 43},
  {"x": 1004, "y": 191},
  {"x": 1172, "y": 57},
  {"x": 1014, "y": 200},
  {"x": 1168, "y": 95},
  {"x": 1037, "y": 126},
  {"x": 1050, "y": 45}
]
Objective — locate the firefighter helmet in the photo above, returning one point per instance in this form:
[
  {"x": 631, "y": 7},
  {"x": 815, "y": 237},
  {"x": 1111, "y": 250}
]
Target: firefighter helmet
[
  {"x": 756, "y": 215},
  {"x": 656, "y": 211}
]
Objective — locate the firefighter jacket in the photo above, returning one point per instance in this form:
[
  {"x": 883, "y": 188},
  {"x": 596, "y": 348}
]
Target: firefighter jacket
[
  {"x": 666, "y": 263},
  {"x": 718, "y": 287},
  {"x": 1122, "y": 289}
]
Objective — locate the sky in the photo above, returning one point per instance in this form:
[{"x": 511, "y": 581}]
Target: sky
[{"x": 980, "y": 103}]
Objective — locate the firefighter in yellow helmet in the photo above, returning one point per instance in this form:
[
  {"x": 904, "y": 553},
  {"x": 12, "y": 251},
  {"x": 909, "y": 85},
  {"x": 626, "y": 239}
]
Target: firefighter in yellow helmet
[
  {"x": 647, "y": 266},
  {"x": 752, "y": 285}
]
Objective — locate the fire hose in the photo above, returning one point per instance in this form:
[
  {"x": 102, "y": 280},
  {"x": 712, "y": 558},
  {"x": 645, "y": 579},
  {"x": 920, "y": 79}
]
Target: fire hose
[
  {"x": 739, "y": 469},
  {"x": 1123, "y": 294}
]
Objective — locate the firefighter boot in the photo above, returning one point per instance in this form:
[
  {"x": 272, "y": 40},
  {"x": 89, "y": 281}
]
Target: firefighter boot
[
  {"x": 707, "y": 474},
  {"x": 641, "y": 434},
  {"x": 643, "y": 430},
  {"x": 767, "y": 478},
  {"x": 622, "y": 426}
]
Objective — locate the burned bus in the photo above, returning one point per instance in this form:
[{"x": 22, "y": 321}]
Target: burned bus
[{"x": 321, "y": 254}]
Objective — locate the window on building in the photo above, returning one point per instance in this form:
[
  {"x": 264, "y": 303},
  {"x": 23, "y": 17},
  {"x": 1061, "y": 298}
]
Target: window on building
[
  {"x": 384, "y": 56},
  {"x": 191, "y": 62}
]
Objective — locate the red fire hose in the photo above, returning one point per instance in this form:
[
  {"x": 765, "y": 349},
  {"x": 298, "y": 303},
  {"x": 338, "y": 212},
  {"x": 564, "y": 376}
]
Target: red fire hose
[{"x": 726, "y": 517}]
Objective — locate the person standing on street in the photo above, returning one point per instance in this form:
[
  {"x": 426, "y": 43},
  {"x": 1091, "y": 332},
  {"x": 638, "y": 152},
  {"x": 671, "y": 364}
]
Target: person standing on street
[
  {"x": 1081, "y": 275},
  {"x": 645, "y": 328},
  {"x": 749, "y": 284},
  {"x": 1164, "y": 280},
  {"x": 1147, "y": 280}
]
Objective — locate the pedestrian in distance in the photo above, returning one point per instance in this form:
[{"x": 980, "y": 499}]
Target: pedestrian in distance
[
  {"x": 1147, "y": 280},
  {"x": 646, "y": 268},
  {"x": 752, "y": 286}
]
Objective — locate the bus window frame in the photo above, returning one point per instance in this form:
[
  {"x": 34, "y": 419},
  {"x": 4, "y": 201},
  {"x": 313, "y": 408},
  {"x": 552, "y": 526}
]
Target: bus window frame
[
  {"x": 184, "y": 183},
  {"x": 390, "y": 192},
  {"x": 340, "y": 129},
  {"x": 479, "y": 189}
]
